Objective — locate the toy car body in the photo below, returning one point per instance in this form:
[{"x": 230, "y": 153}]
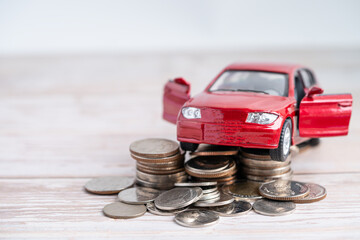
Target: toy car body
[{"x": 266, "y": 106}]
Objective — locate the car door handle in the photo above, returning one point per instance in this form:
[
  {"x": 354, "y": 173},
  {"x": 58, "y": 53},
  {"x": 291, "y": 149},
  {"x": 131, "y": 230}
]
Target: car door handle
[{"x": 344, "y": 104}]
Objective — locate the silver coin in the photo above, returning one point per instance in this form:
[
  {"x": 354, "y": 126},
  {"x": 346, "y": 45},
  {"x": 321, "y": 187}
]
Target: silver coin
[
  {"x": 160, "y": 178},
  {"x": 154, "y": 210},
  {"x": 138, "y": 195},
  {"x": 284, "y": 190},
  {"x": 178, "y": 198},
  {"x": 195, "y": 184},
  {"x": 236, "y": 208},
  {"x": 210, "y": 196},
  {"x": 273, "y": 208},
  {"x": 108, "y": 185},
  {"x": 154, "y": 147},
  {"x": 223, "y": 200},
  {"x": 123, "y": 210},
  {"x": 209, "y": 190},
  {"x": 196, "y": 218},
  {"x": 159, "y": 186}
]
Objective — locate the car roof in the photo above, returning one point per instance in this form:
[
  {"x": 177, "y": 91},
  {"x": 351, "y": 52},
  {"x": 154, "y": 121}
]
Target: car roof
[{"x": 268, "y": 67}]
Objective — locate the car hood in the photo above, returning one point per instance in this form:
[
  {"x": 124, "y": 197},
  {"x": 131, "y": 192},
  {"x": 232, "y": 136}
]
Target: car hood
[{"x": 239, "y": 100}]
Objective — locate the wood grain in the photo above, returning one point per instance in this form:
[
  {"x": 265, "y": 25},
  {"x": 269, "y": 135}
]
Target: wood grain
[
  {"x": 65, "y": 119},
  {"x": 38, "y": 208}
]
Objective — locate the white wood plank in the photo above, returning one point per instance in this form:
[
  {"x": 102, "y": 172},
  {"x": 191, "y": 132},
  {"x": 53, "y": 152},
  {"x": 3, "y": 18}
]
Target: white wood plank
[{"x": 60, "y": 208}]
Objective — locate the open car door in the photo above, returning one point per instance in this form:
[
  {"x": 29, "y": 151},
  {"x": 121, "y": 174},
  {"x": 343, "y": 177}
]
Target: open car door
[
  {"x": 325, "y": 115},
  {"x": 176, "y": 93}
]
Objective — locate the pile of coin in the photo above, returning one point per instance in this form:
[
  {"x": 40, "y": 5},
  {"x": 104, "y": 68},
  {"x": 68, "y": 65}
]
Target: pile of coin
[
  {"x": 159, "y": 163},
  {"x": 200, "y": 200},
  {"x": 257, "y": 165}
]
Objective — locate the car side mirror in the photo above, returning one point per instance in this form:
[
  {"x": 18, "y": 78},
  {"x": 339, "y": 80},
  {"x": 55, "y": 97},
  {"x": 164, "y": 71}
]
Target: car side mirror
[
  {"x": 314, "y": 90},
  {"x": 183, "y": 84}
]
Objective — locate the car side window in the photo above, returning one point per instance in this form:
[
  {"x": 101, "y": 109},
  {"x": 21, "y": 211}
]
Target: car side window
[
  {"x": 307, "y": 78},
  {"x": 299, "y": 92}
]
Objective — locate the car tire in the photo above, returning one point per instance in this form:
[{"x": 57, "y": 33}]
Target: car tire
[
  {"x": 188, "y": 146},
  {"x": 283, "y": 150},
  {"x": 314, "y": 142}
]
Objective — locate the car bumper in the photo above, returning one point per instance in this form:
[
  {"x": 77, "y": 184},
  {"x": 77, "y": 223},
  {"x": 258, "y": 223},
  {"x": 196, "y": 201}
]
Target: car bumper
[{"x": 230, "y": 134}]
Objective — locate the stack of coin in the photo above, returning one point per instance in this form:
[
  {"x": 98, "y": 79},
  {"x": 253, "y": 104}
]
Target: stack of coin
[
  {"x": 220, "y": 169},
  {"x": 160, "y": 163},
  {"x": 257, "y": 165}
]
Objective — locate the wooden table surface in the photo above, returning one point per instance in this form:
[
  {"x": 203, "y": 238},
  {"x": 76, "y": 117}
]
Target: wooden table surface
[{"x": 66, "y": 119}]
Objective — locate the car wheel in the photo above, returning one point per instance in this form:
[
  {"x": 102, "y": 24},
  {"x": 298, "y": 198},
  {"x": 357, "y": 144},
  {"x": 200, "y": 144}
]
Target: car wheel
[
  {"x": 188, "y": 146},
  {"x": 283, "y": 150},
  {"x": 314, "y": 142}
]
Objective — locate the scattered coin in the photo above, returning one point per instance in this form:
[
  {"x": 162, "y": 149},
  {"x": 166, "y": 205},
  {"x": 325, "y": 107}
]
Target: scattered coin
[
  {"x": 273, "y": 208},
  {"x": 284, "y": 190},
  {"x": 196, "y": 218},
  {"x": 179, "y": 197},
  {"x": 123, "y": 210},
  {"x": 154, "y": 147},
  {"x": 154, "y": 210},
  {"x": 108, "y": 185},
  {"x": 317, "y": 193},
  {"x": 243, "y": 189},
  {"x": 138, "y": 195},
  {"x": 223, "y": 200},
  {"x": 236, "y": 208}
]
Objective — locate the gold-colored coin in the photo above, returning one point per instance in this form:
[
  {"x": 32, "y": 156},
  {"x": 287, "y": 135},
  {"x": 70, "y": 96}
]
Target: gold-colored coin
[
  {"x": 256, "y": 156},
  {"x": 264, "y": 164},
  {"x": 284, "y": 190},
  {"x": 266, "y": 172},
  {"x": 243, "y": 189},
  {"x": 215, "y": 150},
  {"x": 317, "y": 193},
  {"x": 285, "y": 176},
  {"x": 207, "y": 164},
  {"x": 154, "y": 148}
]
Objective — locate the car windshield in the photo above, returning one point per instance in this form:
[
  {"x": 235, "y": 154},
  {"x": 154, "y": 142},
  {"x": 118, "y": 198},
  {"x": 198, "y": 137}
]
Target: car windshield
[{"x": 252, "y": 81}]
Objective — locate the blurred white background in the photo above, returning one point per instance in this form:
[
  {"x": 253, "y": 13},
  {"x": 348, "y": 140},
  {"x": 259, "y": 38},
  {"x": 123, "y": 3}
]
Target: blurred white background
[{"x": 64, "y": 26}]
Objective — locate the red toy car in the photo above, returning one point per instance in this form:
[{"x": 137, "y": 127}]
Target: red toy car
[{"x": 266, "y": 106}]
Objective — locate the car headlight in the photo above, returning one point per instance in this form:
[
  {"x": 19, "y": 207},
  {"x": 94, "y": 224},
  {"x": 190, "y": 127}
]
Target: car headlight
[
  {"x": 261, "y": 118},
  {"x": 191, "y": 112}
]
